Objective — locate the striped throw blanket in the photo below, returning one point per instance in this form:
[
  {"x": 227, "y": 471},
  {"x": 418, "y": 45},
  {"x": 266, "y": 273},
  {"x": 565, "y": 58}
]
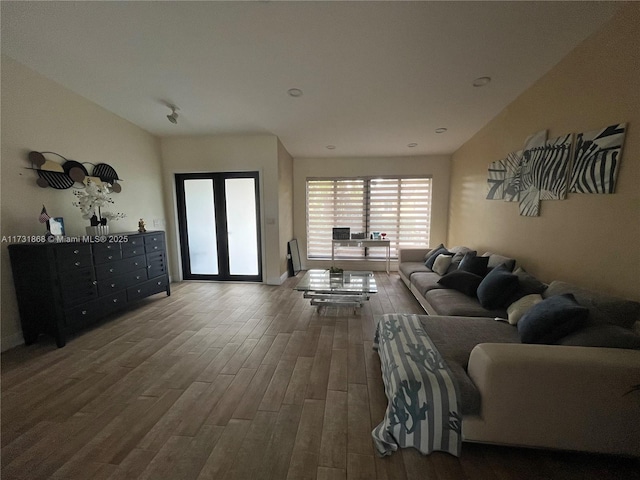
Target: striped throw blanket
[{"x": 423, "y": 410}]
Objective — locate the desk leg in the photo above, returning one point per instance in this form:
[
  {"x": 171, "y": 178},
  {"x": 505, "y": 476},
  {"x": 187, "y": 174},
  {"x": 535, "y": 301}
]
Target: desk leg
[{"x": 388, "y": 258}]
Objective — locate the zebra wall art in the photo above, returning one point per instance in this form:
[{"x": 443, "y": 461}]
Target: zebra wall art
[
  {"x": 597, "y": 159},
  {"x": 542, "y": 170},
  {"x": 512, "y": 177},
  {"x": 495, "y": 181},
  {"x": 554, "y": 168},
  {"x": 529, "y": 184}
]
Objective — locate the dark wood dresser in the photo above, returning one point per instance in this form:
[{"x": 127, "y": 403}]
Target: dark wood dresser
[{"x": 64, "y": 287}]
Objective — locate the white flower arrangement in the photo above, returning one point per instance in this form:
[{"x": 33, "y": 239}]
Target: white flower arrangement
[{"x": 91, "y": 200}]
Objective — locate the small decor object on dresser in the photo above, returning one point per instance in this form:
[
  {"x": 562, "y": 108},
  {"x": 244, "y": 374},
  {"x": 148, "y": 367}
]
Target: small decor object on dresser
[
  {"x": 141, "y": 227},
  {"x": 64, "y": 287}
]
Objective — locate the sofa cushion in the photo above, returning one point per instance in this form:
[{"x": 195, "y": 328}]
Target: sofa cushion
[
  {"x": 474, "y": 264},
  {"x": 425, "y": 281},
  {"x": 455, "y": 337},
  {"x": 432, "y": 258},
  {"x": 495, "y": 260},
  {"x": 603, "y": 308},
  {"x": 552, "y": 319},
  {"x": 497, "y": 287},
  {"x": 603, "y": 335},
  {"x": 442, "y": 263},
  {"x": 465, "y": 282},
  {"x": 517, "y": 309},
  {"x": 409, "y": 268},
  {"x": 446, "y": 301},
  {"x": 459, "y": 253}
]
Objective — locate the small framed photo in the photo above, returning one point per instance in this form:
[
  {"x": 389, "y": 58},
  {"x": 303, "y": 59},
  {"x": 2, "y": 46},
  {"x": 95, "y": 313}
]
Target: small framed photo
[{"x": 56, "y": 226}]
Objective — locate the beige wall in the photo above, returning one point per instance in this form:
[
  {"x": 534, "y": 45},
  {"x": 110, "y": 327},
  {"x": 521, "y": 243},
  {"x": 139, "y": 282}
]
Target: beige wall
[
  {"x": 587, "y": 239},
  {"x": 436, "y": 166},
  {"x": 227, "y": 153},
  {"x": 38, "y": 114},
  {"x": 285, "y": 202}
]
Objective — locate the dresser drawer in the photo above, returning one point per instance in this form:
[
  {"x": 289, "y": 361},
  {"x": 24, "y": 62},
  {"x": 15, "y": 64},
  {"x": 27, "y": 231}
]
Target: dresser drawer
[
  {"x": 120, "y": 267},
  {"x": 73, "y": 257},
  {"x": 106, "y": 252},
  {"x": 147, "y": 288},
  {"x": 131, "y": 250},
  {"x": 83, "y": 315},
  {"x": 78, "y": 286},
  {"x": 134, "y": 241},
  {"x": 110, "y": 285},
  {"x": 154, "y": 247},
  {"x": 154, "y": 239},
  {"x": 113, "y": 302},
  {"x": 156, "y": 264}
]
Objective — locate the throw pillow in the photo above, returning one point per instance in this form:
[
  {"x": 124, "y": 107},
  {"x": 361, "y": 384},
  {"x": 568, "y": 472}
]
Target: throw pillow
[
  {"x": 442, "y": 263},
  {"x": 528, "y": 284},
  {"x": 432, "y": 251},
  {"x": 603, "y": 335},
  {"x": 474, "y": 264},
  {"x": 457, "y": 258},
  {"x": 517, "y": 309},
  {"x": 432, "y": 258},
  {"x": 497, "y": 287},
  {"x": 495, "y": 260},
  {"x": 465, "y": 282},
  {"x": 550, "y": 320}
]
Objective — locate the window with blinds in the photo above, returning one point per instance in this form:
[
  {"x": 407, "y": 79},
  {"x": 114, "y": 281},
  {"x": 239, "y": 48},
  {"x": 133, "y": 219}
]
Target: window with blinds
[{"x": 399, "y": 207}]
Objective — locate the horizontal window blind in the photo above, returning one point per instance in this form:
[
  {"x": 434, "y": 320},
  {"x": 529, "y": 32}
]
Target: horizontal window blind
[
  {"x": 399, "y": 207},
  {"x": 334, "y": 203}
]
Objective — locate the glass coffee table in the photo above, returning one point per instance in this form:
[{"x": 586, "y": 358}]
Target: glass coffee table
[{"x": 346, "y": 289}]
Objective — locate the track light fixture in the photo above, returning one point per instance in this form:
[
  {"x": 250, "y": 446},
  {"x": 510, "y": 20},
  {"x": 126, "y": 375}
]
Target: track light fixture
[{"x": 173, "y": 116}]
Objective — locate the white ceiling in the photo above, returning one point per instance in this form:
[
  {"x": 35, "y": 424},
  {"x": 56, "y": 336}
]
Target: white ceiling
[{"x": 375, "y": 75}]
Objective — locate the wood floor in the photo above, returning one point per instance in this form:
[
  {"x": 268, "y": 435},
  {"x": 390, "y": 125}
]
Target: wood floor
[{"x": 232, "y": 381}]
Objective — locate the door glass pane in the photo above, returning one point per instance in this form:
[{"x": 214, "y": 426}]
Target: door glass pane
[
  {"x": 201, "y": 226},
  {"x": 242, "y": 226}
]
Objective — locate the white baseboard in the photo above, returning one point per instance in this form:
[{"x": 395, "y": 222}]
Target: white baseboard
[
  {"x": 11, "y": 341},
  {"x": 278, "y": 281}
]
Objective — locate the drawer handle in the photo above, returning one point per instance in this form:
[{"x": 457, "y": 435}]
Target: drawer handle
[
  {"x": 139, "y": 291},
  {"x": 109, "y": 257},
  {"x": 115, "y": 300},
  {"x": 111, "y": 270},
  {"x": 149, "y": 266},
  {"x": 160, "y": 283},
  {"x": 95, "y": 282},
  {"x": 84, "y": 312},
  {"x": 135, "y": 251},
  {"x": 76, "y": 251},
  {"x": 109, "y": 248},
  {"x": 113, "y": 285},
  {"x": 155, "y": 239},
  {"x": 77, "y": 264},
  {"x": 137, "y": 277},
  {"x": 155, "y": 247},
  {"x": 135, "y": 263}
]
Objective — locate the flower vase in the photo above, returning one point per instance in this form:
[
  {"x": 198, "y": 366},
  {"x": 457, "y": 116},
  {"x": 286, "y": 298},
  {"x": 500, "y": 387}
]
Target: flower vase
[{"x": 98, "y": 230}]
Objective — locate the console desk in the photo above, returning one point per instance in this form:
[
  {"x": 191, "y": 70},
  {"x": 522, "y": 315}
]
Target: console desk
[{"x": 362, "y": 243}]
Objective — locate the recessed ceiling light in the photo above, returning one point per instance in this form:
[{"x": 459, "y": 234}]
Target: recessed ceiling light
[
  {"x": 481, "y": 81},
  {"x": 411, "y": 145},
  {"x": 330, "y": 147},
  {"x": 294, "y": 92},
  {"x": 441, "y": 130}
]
